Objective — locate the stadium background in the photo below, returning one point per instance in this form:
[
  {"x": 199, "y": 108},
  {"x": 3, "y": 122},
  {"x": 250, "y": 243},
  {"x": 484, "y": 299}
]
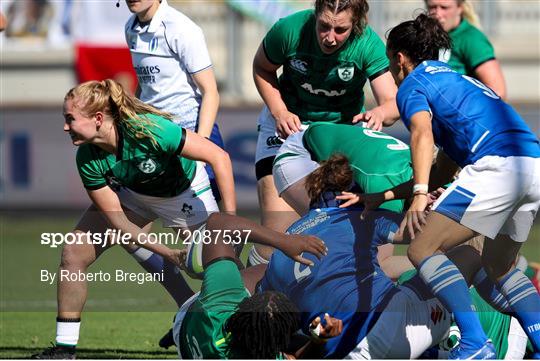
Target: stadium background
[{"x": 40, "y": 190}]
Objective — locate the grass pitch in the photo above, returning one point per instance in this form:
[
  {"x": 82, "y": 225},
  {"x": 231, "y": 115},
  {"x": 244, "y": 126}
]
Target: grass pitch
[{"x": 121, "y": 320}]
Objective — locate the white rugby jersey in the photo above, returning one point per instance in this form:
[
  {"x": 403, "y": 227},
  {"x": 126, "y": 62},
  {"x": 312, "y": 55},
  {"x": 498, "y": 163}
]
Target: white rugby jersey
[{"x": 164, "y": 53}]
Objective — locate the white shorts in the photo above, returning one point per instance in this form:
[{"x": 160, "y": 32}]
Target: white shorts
[
  {"x": 179, "y": 318},
  {"x": 495, "y": 195},
  {"x": 293, "y": 162},
  {"x": 189, "y": 208},
  {"x": 407, "y": 327},
  {"x": 268, "y": 141}
]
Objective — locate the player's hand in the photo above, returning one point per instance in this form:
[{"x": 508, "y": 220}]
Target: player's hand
[
  {"x": 371, "y": 201},
  {"x": 433, "y": 196},
  {"x": 415, "y": 217},
  {"x": 295, "y": 244},
  {"x": 287, "y": 123},
  {"x": 373, "y": 118},
  {"x": 177, "y": 257},
  {"x": 332, "y": 328}
]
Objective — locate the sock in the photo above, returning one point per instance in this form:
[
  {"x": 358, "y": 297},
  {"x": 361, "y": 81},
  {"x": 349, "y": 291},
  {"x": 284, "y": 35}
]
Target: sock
[
  {"x": 255, "y": 258},
  {"x": 67, "y": 331},
  {"x": 173, "y": 281},
  {"x": 525, "y": 302},
  {"x": 490, "y": 293},
  {"x": 448, "y": 285}
]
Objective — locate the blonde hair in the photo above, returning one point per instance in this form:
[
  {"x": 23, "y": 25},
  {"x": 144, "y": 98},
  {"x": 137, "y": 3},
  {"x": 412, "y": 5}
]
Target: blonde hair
[
  {"x": 469, "y": 13},
  {"x": 109, "y": 97}
]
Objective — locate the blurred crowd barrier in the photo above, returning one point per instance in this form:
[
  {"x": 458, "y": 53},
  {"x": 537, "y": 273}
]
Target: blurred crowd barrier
[{"x": 40, "y": 47}]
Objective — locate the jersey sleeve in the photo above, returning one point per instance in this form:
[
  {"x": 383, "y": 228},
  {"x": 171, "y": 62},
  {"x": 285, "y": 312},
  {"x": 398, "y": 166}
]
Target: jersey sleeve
[
  {"x": 385, "y": 228},
  {"x": 92, "y": 176},
  {"x": 375, "y": 60},
  {"x": 411, "y": 100},
  {"x": 280, "y": 39},
  {"x": 191, "y": 49},
  {"x": 478, "y": 49},
  {"x": 170, "y": 137}
]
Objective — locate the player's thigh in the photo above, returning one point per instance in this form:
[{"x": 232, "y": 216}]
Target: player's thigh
[
  {"x": 95, "y": 235},
  {"x": 296, "y": 196},
  {"x": 275, "y": 212},
  {"x": 439, "y": 233}
]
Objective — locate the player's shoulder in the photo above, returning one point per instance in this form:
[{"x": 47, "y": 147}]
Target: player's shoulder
[{"x": 177, "y": 22}]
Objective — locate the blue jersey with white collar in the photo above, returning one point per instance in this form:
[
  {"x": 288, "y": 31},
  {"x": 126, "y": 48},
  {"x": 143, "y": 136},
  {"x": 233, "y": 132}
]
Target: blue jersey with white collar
[
  {"x": 347, "y": 283},
  {"x": 469, "y": 120}
]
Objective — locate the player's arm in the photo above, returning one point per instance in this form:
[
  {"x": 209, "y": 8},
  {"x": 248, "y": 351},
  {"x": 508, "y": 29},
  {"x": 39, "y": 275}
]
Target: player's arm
[
  {"x": 199, "y": 148},
  {"x": 293, "y": 245},
  {"x": 206, "y": 82},
  {"x": 107, "y": 202},
  {"x": 422, "y": 158},
  {"x": 266, "y": 81},
  {"x": 490, "y": 73},
  {"x": 386, "y": 113}
]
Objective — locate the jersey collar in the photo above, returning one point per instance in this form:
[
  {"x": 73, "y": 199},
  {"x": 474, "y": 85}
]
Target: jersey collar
[{"x": 158, "y": 17}]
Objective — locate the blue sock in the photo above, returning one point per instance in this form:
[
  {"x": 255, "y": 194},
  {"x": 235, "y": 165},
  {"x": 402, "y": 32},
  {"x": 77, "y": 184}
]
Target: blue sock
[
  {"x": 525, "y": 302},
  {"x": 490, "y": 293},
  {"x": 173, "y": 281},
  {"x": 448, "y": 285}
]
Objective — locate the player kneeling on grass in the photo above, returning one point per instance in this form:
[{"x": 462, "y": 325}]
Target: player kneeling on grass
[
  {"x": 136, "y": 166},
  {"x": 224, "y": 320}
]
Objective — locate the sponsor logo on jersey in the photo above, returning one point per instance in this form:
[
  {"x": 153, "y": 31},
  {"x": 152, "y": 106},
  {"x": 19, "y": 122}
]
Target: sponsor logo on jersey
[
  {"x": 147, "y": 166},
  {"x": 153, "y": 44},
  {"x": 299, "y": 65},
  {"x": 187, "y": 209},
  {"x": 274, "y": 141},
  {"x": 437, "y": 314},
  {"x": 437, "y": 69},
  {"x": 346, "y": 74},
  {"x": 327, "y": 93}
]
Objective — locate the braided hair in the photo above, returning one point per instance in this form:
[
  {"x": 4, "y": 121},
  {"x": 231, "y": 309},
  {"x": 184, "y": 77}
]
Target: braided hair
[
  {"x": 262, "y": 326},
  {"x": 420, "y": 39}
]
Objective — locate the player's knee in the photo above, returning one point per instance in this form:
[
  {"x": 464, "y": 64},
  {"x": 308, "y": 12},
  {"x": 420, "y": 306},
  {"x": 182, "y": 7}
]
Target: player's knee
[
  {"x": 74, "y": 257},
  {"x": 416, "y": 254}
]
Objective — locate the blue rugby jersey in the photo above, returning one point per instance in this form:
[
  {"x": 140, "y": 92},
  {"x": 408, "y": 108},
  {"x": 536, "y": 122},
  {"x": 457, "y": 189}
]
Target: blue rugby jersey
[
  {"x": 469, "y": 120},
  {"x": 347, "y": 283}
]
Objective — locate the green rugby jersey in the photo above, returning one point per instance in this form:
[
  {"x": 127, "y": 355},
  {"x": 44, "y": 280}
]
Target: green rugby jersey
[
  {"x": 142, "y": 166},
  {"x": 202, "y": 333},
  {"x": 470, "y": 48},
  {"x": 378, "y": 160},
  {"x": 317, "y": 86}
]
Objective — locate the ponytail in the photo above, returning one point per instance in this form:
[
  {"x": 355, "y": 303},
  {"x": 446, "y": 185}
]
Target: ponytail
[
  {"x": 420, "y": 39},
  {"x": 109, "y": 97},
  {"x": 469, "y": 13},
  {"x": 334, "y": 174}
]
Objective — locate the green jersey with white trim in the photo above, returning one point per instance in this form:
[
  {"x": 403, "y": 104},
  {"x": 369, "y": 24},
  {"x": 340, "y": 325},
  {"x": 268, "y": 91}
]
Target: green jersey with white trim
[
  {"x": 152, "y": 168},
  {"x": 317, "y": 86},
  {"x": 378, "y": 160},
  {"x": 470, "y": 48}
]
